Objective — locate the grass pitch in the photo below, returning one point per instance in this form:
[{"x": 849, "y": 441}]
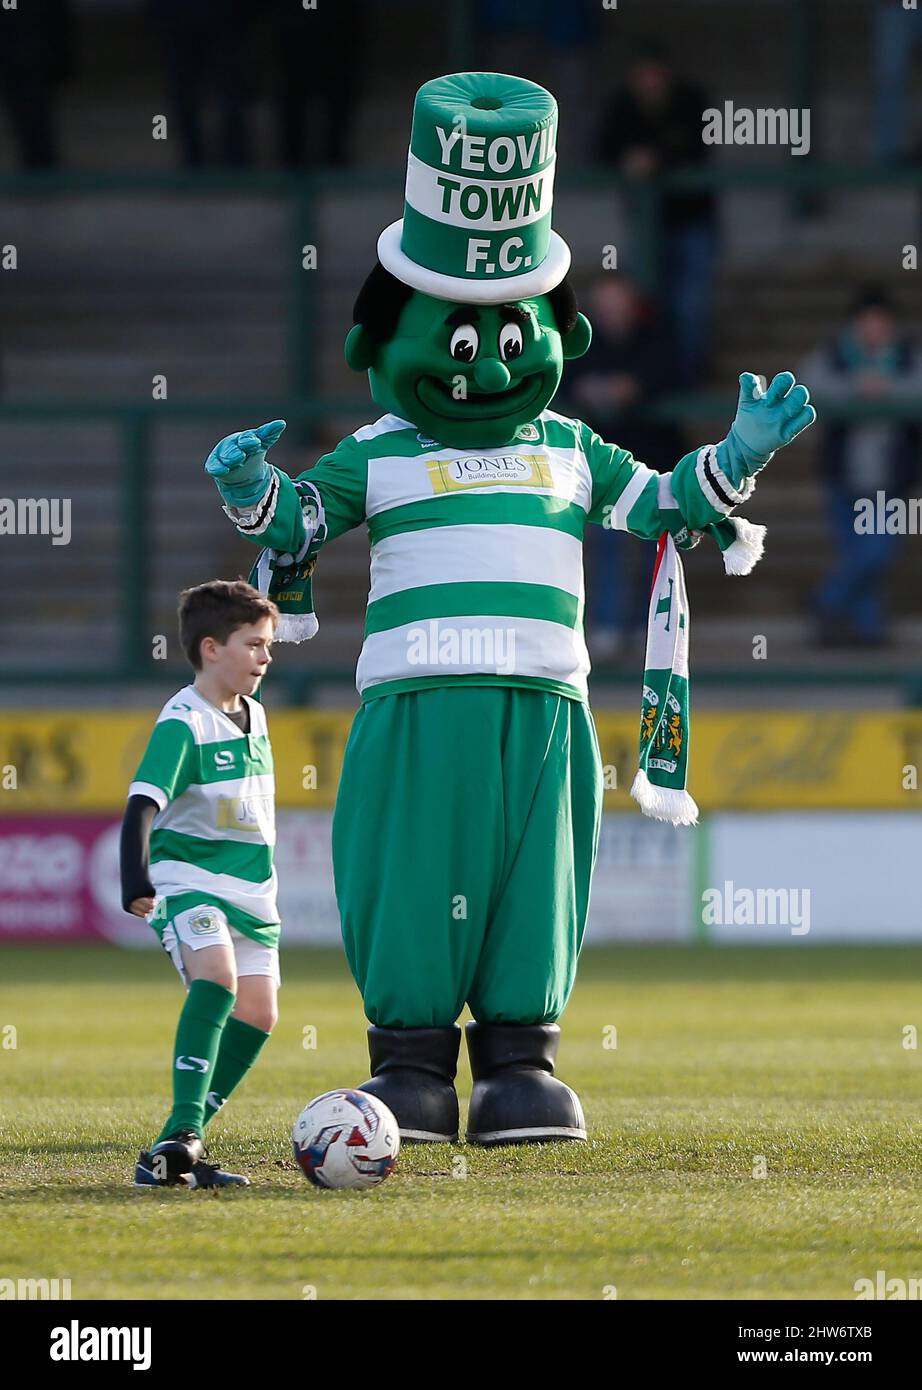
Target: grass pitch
[{"x": 729, "y": 1064}]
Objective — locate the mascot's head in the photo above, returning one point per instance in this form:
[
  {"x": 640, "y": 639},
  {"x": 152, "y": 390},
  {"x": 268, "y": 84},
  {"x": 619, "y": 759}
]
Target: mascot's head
[{"x": 464, "y": 324}]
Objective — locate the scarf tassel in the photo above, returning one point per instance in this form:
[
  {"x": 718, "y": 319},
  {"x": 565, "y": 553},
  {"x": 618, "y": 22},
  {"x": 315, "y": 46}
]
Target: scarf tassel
[
  {"x": 296, "y": 627},
  {"x": 664, "y": 803},
  {"x": 745, "y": 552}
]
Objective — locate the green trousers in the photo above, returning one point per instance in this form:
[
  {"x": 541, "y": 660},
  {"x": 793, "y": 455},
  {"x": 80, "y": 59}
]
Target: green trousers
[{"x": 464, "y": 839}]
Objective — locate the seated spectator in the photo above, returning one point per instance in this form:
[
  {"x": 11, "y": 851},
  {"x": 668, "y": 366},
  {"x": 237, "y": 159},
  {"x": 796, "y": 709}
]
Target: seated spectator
[
  {"x": 629, "y": 364},
  {"x": 874, "y": 361}
]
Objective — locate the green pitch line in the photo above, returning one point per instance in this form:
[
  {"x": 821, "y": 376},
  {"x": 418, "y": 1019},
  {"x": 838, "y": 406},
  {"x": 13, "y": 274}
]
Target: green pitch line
[{"x": 728, "y": 1063}]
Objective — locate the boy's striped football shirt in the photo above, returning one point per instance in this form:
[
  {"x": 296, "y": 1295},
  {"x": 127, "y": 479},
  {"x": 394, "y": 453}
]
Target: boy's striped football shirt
[
  {"x": 476, "y": 554},
  {"x": 214, "y": 833}
]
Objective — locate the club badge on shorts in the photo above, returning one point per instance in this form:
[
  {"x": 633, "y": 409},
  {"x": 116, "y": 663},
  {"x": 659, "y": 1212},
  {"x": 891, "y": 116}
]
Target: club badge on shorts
[{"x": 204, "y": 921}]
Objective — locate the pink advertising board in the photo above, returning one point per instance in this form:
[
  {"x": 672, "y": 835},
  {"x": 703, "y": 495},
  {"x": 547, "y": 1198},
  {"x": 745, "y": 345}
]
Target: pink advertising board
[{"x": 58, "y": 879}]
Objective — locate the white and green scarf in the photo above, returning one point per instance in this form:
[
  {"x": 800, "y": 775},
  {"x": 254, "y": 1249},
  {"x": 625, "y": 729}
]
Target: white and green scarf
[{"x": 660, "y": 784}]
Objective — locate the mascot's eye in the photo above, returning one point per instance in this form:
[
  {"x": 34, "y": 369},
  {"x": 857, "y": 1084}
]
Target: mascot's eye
[
  {"x": 464, "y": 343},
  {"x": 510, "y": 341}
]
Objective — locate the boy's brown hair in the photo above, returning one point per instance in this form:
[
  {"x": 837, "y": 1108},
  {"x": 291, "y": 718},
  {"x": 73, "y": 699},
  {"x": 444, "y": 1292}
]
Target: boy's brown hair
[{"x": 217, "y": 609}]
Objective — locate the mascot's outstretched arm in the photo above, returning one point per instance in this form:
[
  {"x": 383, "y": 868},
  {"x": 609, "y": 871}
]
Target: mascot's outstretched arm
[
  {"x": 764, "y": 423},
  {"x": 706, "y": 486},
  {"x": 270, "y": 508}
]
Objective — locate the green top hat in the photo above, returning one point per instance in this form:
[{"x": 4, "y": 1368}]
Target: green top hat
[{"x": 480, "y": 191}]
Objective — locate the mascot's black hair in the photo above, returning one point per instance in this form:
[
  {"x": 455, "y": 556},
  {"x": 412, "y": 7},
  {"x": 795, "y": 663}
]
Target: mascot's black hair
[{"x": 382, "y": 297}]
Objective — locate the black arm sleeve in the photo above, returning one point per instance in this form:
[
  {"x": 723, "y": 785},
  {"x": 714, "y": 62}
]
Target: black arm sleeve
[{"x": 134, "y": 849}]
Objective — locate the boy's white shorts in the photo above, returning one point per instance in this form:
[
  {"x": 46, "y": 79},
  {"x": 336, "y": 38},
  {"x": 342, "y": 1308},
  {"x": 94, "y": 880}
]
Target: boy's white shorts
[{"x": 252, "y": 957}]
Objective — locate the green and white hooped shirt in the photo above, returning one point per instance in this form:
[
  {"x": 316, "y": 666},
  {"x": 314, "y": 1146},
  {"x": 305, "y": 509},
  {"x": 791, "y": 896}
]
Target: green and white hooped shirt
[
  {"x": 476, "y": 554},
  {"x": 213, "y": 837}
]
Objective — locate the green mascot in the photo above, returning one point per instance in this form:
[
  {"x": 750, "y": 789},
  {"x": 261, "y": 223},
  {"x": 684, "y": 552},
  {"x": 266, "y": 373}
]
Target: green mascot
[{"x": 468, "y": 811}]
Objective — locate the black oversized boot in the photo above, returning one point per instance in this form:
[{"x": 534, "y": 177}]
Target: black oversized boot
[
  {"x": 517, "y": 1099},
  {"x": 413, "y": 1072}
]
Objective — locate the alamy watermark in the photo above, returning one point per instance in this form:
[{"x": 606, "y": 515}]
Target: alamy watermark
[
  {"x": 481, "y": 648},
  {"x": 894, "y": 1289},
  {"x": 78, "y": 1342},
  {"x": 36, "y": 516},
  {"x": 881, "y": 515},
  {"x": 741, "y": 125},
  {"x": 756, "y": 907},
  {"x": 31, "y": 1290}
]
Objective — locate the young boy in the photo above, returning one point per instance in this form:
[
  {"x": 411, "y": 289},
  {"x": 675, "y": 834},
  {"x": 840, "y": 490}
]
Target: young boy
[{"x": 196, "y": 861}]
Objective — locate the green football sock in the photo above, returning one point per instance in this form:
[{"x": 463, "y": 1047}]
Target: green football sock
[
  {"x": 198, "y": 1038},
  {"x": 241, "y": 1044}
]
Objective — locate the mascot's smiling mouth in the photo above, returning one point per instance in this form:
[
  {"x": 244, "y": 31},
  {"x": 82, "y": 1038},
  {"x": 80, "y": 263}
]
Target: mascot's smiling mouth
[{"x": 480, "y": 405}]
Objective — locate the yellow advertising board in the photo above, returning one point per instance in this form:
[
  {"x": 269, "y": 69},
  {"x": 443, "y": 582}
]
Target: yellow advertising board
[
  {"x": 755, "y": 759},
  {"x": 74, "y": 760}
]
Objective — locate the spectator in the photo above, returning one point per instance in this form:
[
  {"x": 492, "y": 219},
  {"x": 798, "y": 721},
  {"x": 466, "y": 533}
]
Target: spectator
[
  {"x": 35, "y": 61},
  {"x": 897, "y": 34},
  {"x": 318, "y": 58},
  {"x": 652, "y": 126},
  {"x": 204, "y": 53},
  {"x": 870, "y": 360},
  {"x": 629, "y": 364}
]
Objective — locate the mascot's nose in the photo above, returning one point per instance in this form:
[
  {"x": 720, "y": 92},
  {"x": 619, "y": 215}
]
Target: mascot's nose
[{"x": 491, "y": 374}]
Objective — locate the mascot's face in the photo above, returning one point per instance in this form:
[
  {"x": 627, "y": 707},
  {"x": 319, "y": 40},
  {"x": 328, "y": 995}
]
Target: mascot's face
[{"x": 469, "y": 375}]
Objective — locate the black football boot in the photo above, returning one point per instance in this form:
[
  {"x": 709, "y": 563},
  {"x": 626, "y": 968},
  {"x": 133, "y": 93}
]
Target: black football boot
[
  {"x": 168, "y": 1162},
  {"x": 517, "y": 1099},
  {"x": 413, "y": 1072}
]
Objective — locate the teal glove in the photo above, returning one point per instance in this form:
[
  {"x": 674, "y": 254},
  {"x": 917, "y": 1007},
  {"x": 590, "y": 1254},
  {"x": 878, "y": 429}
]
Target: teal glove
[
  {"x": 764, "y": 422},
  {"x": 238, "y": 464}
]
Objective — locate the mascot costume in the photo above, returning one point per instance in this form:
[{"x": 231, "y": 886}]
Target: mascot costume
[{"x": 468, "y": 811}]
